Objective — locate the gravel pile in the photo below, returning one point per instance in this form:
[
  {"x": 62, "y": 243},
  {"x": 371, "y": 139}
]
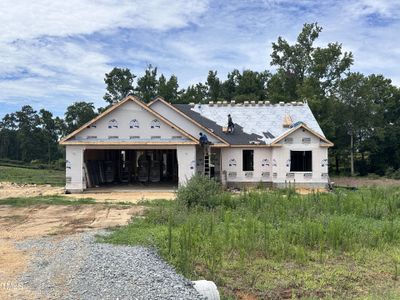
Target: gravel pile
[{"x": 76, "y": 267}]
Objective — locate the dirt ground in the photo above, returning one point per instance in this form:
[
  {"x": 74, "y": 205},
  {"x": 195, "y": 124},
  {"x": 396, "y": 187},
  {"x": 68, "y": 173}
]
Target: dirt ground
[
  {"x": 18, "y": 224},
  {"x": 363, "y": 181},
  {"x": 8, "y": 189}
]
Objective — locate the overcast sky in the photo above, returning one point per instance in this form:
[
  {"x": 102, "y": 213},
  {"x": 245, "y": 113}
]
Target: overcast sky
[{"x": 55, "y": 52}]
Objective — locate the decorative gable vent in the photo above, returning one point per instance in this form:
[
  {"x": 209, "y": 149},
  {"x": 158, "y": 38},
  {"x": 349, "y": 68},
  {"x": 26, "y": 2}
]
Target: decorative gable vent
[
  {"x": 155, "y": 124},
  {"x": 112, "y": 123},
  {"x": 306, "y": 140},
  {"x": 134, "y": 124}
]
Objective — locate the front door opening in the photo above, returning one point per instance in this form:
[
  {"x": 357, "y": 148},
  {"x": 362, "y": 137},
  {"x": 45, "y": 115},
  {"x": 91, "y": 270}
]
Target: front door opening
[{"x": 126, "y": 167}]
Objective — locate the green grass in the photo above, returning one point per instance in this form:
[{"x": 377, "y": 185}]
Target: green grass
[
  {"x": 47, "y": 200},
  {"x": 32, "y": 176},
  {"x": 279, "y": 244}
]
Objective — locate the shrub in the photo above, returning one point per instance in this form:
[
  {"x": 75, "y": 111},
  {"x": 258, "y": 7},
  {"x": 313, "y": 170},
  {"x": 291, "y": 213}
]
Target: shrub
[{"x": 199, "y": 191}]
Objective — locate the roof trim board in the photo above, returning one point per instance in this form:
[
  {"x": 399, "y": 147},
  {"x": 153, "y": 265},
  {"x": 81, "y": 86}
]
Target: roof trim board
[
  {"x": 278, "y": 139},
  {"x": 186, "y": 117},
  {"x": 112, "y": 108},
  {"x": 126, "y": 143}
]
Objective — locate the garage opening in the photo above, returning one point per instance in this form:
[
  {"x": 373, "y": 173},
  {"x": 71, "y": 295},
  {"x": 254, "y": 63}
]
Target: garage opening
[{"x": 130, "y": 167}]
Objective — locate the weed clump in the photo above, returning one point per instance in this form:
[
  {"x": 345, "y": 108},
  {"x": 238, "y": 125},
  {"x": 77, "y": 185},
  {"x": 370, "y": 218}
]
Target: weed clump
[{"x": 200, "y": 191}]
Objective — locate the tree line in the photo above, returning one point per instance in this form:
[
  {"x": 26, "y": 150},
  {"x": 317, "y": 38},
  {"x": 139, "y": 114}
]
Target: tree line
[{"x": 358, "y": 113}]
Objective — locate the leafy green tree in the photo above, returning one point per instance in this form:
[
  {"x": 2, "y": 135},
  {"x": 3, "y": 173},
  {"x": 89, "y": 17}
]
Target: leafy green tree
[
  {"x": 213, "y": 86},
  {"x": 168, "y": 89},
  {"x": 194, "y": 93},
  {"x": 147, "y": 85},
  {"x": 251, "y": 85},
  {"x": 119, "y": 84},
  {"x": 307, "y": 71},
  {"x": 78, "y": 114}
]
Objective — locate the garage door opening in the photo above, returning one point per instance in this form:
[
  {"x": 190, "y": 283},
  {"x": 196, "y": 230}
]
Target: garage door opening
[{"x": 104, "y": 168}]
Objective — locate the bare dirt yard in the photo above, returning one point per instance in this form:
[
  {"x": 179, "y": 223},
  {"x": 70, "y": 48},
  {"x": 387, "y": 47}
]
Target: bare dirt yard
[
  {"x": 364, "y": 181},
  {"x": 23, "y": 223},
  {"x": 8, "y": 189}
]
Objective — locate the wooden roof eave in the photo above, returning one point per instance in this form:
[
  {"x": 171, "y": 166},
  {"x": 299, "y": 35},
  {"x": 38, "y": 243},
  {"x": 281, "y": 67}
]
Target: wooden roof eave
[
  {"x": 278, "y": 139},
  {"x": 187, "y": 117},
  {"x": 140, "y": 103}
]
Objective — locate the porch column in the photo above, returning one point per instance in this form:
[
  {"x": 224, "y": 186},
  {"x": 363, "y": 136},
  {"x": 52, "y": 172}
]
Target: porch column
[
  {"x": 74, "y": 169},
  {"x": 186, "y": 155}
]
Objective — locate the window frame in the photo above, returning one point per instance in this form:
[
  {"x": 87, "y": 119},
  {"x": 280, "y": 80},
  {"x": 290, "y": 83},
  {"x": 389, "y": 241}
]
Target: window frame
[
  {"x": 251, "y": 166},
  {"x": 304, "y": 163}
]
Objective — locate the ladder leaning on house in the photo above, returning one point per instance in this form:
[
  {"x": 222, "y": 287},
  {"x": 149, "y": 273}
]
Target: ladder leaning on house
[{"x": 207, "y": 161}]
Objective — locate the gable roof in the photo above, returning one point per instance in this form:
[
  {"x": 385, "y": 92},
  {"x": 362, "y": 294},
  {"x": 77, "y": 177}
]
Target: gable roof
[
  {"x": 255, "y": 123},
  {"x": 239, "y": 137},
  {"x": 323, "y": 138},
  {"x": 115, "y": 106},
  {"x": 202, "y": 125}
]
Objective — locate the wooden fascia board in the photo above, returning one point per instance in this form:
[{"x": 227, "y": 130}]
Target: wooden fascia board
[
  {"x": 140, "y": 103},
  {"x": 103, "y": 114},
  {"x": 188, "y": 118},
  {"x": 127, "y": 143},
  {"x": 328, "y": 143},
  {"x": 137, "y": 101}
]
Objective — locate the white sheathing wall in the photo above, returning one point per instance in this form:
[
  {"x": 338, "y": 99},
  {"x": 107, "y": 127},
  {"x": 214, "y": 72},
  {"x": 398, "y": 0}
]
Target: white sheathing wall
[
  {"x": 281, "y": 160},
  {"x": 181, "y": 121},
  {"x": 124, "y": 115},
  {"x": 232, "y": 164},
  {"x": 73, "y": 170},
  {"x": 186, "y": 156}
]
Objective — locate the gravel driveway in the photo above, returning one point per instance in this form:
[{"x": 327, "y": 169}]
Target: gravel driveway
[{"x": 76, "y": 267}]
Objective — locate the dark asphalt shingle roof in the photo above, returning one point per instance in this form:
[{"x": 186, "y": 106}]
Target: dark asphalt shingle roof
[{"x": 238, "y": 137}]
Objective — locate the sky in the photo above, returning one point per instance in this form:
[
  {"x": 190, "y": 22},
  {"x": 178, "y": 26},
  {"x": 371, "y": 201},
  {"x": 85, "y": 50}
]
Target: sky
[{"x": 56, "y": 52}]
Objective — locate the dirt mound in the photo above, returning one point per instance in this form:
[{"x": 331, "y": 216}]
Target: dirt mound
[{"x": 8, "y": 189}]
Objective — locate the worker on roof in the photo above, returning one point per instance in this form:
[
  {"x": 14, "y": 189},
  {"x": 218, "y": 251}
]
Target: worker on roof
[
  {"x": 203, "y": 139},
  {"x": 231, "y": 126}
]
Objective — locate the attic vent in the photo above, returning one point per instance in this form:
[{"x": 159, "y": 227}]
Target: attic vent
[
  {"x": 111, "y": 137},
  {"x": 306, "y": 140},
  {"x": 155, "y": 137},
  {"x": 287, "y": 121},
  {"x": 91, "y": 137},
  {"x": 92, "y": 126},
  {"x": 176, "y": 137},
  {"x": 134, "y": 137},
  {"x": 288, "y": 140},
  {"x": 254, "y": 142}
]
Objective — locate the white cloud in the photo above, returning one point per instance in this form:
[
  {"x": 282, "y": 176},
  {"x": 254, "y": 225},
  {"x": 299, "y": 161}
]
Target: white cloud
[
  {"x": 61, "y": 49},
  {"x": 23, "y": 19}
]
